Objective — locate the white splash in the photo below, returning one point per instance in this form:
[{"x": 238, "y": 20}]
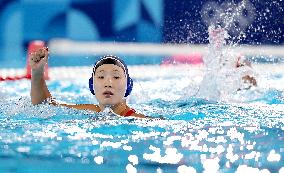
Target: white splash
[
  {"x": 99, "y": 160},
  {"x": 273, "y": 156},
  {"x": 225, "y": 70},
  {"x": 130, "y": 169},
  {"x": 186, "y": 169},
  {"x": 133, "y": 159},
  {"x": 171, "y": 155}
]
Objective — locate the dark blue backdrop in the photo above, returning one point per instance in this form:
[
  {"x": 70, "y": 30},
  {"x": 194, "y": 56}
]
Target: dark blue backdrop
[
  {"x": 174, "y": 21},
  {"x": 261, "y": 21}
]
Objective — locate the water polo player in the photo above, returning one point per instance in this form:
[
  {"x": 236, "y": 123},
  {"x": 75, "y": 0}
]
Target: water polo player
[{"x": 110, "y": 83}]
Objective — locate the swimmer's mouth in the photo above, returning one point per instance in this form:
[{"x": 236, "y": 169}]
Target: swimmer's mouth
[{"x": 107, "y": 93}]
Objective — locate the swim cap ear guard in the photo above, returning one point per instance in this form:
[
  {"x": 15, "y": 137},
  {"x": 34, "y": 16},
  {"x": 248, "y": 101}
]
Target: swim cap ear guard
[{"x": 110, "y": 59}]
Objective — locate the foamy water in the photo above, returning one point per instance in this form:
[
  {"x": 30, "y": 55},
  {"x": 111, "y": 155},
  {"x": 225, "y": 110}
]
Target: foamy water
[{"x": 196, "y": 135}]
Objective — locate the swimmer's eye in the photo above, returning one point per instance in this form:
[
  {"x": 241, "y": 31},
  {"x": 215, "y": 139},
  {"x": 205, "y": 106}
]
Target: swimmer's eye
[
  {"x": 116, "y": 77},
  {"x": 100, "y": 77}
]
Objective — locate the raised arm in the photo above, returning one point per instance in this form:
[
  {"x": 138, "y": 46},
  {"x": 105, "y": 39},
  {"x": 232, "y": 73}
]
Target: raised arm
[{"x": 39, "y": 90}]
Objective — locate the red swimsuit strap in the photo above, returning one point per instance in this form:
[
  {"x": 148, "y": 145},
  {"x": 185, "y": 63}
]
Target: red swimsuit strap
[{"x": 129, "y": 112}]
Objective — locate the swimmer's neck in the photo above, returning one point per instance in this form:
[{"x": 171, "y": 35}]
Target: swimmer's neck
[{"x": 117, "y": 108}]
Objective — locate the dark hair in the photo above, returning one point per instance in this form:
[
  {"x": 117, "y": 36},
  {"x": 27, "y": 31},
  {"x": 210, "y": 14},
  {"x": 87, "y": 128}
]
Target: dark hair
[{"x": 109, "y": 60}]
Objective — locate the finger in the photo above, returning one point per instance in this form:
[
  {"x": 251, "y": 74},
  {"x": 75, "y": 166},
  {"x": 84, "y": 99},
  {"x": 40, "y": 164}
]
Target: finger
[
  {"x": 41, "y": 51},
  {"x": 44, "y": 52},
  {"x": 33, "y": 58}
]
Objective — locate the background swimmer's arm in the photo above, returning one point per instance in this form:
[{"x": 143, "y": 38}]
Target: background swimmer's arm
[
  {"x": 39, "y": 91},
  {"x": 249, "y": 79}
]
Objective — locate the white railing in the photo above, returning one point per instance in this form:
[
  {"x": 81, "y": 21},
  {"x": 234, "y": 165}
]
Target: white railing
[{"x": 68, "y": 47}]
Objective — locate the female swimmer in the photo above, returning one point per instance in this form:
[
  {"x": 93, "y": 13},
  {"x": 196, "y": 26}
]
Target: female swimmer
[{"x": 110, "y": 83}]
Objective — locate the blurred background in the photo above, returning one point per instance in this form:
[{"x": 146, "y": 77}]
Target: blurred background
[{"x": 136, "y": 21}]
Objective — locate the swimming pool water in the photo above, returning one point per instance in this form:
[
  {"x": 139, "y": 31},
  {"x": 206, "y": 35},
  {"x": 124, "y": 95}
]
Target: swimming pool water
[{"x": 242, "y": 134}]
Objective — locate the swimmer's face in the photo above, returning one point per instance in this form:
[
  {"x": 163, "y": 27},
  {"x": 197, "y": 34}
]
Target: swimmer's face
[{"x": 109, "y": 84}]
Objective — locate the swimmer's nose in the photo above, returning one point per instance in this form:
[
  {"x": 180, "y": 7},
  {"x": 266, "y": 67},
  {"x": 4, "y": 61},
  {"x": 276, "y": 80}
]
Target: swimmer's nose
[
  {"x": 108, "y": 82},
  {"x": 108, "y": 86}
]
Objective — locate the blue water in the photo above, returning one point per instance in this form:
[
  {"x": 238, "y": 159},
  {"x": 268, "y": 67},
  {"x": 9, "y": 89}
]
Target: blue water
[{"x": 195, "y": 134}]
